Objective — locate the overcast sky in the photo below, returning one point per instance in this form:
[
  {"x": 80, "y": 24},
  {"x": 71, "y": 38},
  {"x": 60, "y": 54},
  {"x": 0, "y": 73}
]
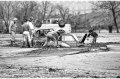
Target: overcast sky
[
  {"x": 76, "y": 5},
  {"x": 82, "y": 5}
]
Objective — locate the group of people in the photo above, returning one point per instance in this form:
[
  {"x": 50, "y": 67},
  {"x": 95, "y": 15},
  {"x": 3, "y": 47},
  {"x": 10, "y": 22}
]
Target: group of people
[{"x": 28, "y": 31}]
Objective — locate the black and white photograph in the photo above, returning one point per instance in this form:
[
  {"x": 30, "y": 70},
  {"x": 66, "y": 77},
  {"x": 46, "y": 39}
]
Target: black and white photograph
[{"x": 59, "y": 39}]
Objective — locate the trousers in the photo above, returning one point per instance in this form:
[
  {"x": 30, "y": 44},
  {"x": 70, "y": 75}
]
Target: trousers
[{"x": 27, "y": 39}]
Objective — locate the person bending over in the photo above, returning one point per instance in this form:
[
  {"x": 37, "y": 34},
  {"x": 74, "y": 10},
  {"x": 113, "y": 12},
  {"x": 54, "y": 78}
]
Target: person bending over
[
  {"x": 53, "y": 36},
  {"x": 94, "y": 35}
]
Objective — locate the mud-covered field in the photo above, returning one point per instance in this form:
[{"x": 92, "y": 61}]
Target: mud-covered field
[{"x": 96, "y": 61}]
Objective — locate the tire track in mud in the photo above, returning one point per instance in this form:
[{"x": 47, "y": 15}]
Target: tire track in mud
[{"x": 46, "y": 52}]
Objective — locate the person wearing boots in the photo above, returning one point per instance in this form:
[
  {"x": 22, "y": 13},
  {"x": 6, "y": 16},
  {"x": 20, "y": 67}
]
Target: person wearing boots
[
  {"x": 28, "y": 30},
  {"x": 12, "y": 30}
]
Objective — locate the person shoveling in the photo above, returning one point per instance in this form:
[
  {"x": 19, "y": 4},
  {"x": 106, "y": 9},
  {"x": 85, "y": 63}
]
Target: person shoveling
[
  {"x": 94, "y": 35},
  {"x": 91, "y": 33}
]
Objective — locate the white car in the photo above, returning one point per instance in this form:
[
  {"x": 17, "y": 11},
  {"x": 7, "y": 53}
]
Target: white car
[{"x": 67, "y": 40}]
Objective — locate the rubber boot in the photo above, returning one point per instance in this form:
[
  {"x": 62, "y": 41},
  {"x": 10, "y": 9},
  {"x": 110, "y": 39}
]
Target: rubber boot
[{"x": 12, "y": 43}]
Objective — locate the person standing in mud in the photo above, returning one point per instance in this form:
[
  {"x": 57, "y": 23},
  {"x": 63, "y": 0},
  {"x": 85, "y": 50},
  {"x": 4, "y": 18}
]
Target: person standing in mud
[
  {"x": 12, "y": 30},
  {"x": 32, "y": 29},
  {"x": 94, "y": 35},
  {"x": 28, "y": 30}
]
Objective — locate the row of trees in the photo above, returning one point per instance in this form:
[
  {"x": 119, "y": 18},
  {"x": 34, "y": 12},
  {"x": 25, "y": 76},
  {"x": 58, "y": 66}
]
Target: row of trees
[
  {"x": 39, "y": 10},
  {"x": 46, "y": 9},
  {"x": 112, "y": 8}
]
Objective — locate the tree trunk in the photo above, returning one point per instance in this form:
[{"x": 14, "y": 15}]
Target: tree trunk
[
  {"x": 7, "y": 28},
  {"x": 99, "y": 28},
  {"x": 115, "y": 22},
  {"x": 110, "y": 28},
  {"x": 75, "y": 28}
]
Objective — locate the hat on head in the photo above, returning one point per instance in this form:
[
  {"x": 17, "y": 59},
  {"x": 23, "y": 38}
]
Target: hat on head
[
  {"x": 90, "y": 30},
  {"x": 31, "y": 18}
]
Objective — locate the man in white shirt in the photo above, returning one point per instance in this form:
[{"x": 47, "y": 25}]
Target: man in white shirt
[
  {"x": 32, "y": 29},
  {"x": 28, "y": 31}
]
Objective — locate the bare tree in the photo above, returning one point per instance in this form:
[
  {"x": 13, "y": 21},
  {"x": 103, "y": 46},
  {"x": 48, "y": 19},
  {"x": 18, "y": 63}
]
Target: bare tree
[
  {"x": 24, "y": 10},
  {"x": 75, "y": 20},
  {"x": 64, "y": 12},
  {"x": 39, "y": 10},
  {"x": 44, "y": 10},
  {"x": 110, "y": 6},
  {"x": 6, "y": 12}
]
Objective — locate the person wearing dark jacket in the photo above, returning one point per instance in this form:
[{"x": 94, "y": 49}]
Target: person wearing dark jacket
[{"x": 94, "y": 35}]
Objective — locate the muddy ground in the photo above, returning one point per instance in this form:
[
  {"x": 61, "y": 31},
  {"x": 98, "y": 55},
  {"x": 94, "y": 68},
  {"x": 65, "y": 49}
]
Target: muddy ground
[{"x": 97, "y": 61}]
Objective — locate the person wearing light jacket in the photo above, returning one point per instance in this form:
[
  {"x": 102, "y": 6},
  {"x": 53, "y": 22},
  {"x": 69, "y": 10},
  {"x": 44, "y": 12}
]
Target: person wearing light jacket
[{"x": 12, "y": 30}]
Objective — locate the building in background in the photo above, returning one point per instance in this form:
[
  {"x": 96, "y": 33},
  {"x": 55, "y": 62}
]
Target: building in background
[{"x": 52, "y": 20}]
